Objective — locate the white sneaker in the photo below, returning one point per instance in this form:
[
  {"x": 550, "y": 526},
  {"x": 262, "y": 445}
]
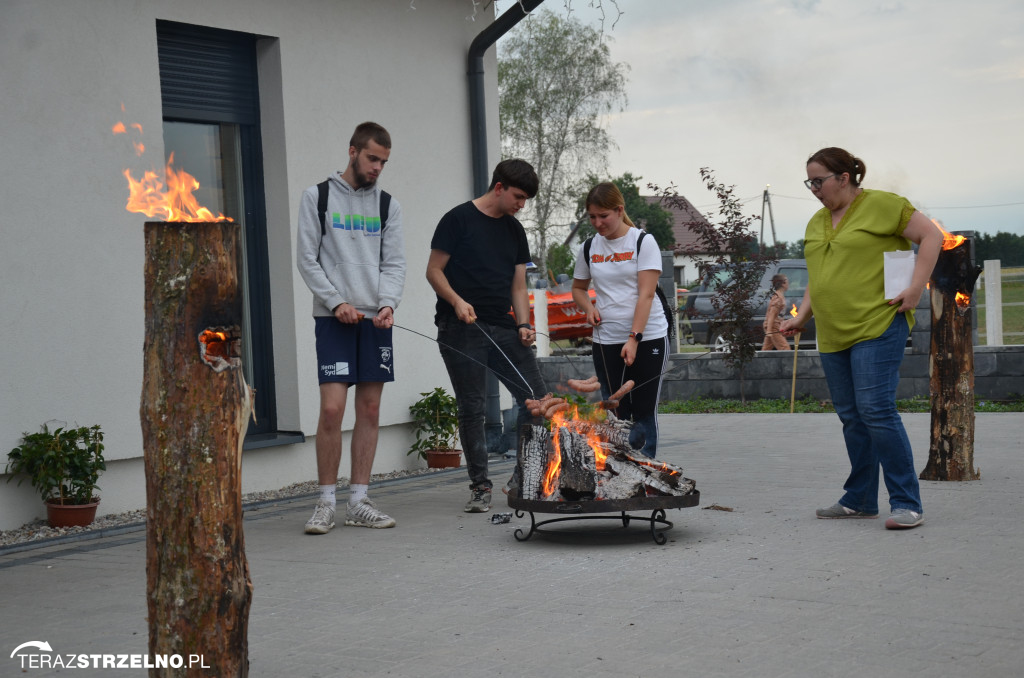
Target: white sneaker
[
  {"x": 364, "y": 513},
  {"x": 322, "y": 520}
]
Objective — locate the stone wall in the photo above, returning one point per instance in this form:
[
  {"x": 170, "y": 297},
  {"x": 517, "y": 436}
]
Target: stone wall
[
  {"x": 998, "y": 374},
  {"x": 998, "y": 370}
]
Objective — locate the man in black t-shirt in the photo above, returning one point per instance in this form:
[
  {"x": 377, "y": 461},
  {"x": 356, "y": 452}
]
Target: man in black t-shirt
[{"x": 477, "y": 267}]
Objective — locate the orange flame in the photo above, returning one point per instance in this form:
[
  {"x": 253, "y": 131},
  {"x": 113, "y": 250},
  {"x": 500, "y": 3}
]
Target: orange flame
[
  {"x": 149, "y": 196},
  {"x": 792, "y": 311},
  {"x": 175, "y": 203},
  {"x": 216, "y": 343},
  {"x": 949, "y": 241},
  {"x": 963, "y": 300},
  {"x": 559, "y": 421},
  {"x": 660, "y": 466},
  {"x": 551, "y": 474}
]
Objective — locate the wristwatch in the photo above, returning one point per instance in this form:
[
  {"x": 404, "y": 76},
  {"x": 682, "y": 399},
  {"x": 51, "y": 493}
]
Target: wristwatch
[
  {"x": 636, "y": 335},
  {"x": 526, "y": 325}
]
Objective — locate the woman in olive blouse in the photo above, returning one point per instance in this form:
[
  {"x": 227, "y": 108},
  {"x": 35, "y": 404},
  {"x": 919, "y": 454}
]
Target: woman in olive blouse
[{"x": 862, "y": 335}]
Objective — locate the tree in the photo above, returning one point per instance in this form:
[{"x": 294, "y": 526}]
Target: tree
[
  {"x": 784, "y": 250},
  {"x": 1007, "y": 247},
  {"x": 729, "y": 246},
  {"x": 556, "y": 81},
  {"x": 649, "y": 216},
  {"x": 561, "y": 259}
]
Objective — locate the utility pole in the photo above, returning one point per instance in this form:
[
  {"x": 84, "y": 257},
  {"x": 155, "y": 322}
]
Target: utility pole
[{"x": 766, "y": 199}]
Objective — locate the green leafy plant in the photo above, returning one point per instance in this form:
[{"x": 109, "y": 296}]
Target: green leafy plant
[
  {"x": 435, "y": 421},
  {"x": 63, "y": 465}
]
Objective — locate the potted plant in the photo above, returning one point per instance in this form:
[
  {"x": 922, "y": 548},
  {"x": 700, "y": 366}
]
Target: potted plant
[
  {"x": 436, "y": 424},
  {"x": 63, "y": 465}
]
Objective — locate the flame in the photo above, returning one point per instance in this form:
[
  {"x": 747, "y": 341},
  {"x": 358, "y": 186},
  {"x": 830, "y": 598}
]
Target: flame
[
  {"x": 949, "y": 241},
  {"x": 657, "y": 465},
  {"x": 792, "y": 311},
  {"x": 175, "y": 203},
  {"x": 565, "y": 419},
  {"x": 149, "y": 196},
  {"x": 963, "y": 300},
  {"x": 551, "y": 474},
  {"x": 216, "y": 344}
]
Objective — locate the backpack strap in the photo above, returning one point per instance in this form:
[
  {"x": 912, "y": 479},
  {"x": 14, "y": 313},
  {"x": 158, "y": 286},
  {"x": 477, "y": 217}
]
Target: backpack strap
[
  {"x": 670, "y": 315},
  {"x": 323, "y": 189},
  {"x": 385, "y": 207}
]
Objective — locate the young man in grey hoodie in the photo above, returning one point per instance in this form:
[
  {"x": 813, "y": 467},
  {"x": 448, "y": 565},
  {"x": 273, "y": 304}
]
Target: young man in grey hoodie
[{"x": 352, "y": 258}]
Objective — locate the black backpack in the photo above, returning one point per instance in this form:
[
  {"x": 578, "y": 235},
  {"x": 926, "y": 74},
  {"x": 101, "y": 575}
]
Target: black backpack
[
  {"x": 323, "y": 189},
  {"x": 667, "y": 308}
]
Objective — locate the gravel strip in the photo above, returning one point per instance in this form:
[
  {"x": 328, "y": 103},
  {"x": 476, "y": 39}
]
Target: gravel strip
[{"x": 39, "y": 531}]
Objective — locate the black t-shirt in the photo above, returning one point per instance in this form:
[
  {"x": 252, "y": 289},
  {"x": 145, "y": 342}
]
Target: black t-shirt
[{"x": 484, "y": 253}]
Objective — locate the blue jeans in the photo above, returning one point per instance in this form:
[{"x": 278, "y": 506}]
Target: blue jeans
[
  {"x": 468, "y": 354},
  {"x": 862, "y": 381}
]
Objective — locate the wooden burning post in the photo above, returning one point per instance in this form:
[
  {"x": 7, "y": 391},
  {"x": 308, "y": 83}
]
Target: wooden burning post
[
  {"x": 195, "y": 409},
  {"x": 951, "y": 455}
]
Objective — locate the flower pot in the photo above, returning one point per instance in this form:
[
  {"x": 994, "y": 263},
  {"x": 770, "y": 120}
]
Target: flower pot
[
  {"x": 71, "y": 515},
  {"x": 444, "y": 458}
]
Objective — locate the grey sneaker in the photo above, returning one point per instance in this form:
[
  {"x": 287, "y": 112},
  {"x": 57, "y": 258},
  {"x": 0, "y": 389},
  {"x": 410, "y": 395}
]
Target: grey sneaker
[
  {"x": 322, "y": 520},
  {"x": 837, "y": 510},
  {"x": 902, "y": 519},
  {"x": 364, "y": 513},
  {"x": 480, "y": 501}
]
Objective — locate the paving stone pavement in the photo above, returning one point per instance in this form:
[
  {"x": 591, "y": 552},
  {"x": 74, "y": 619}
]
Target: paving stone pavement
[{"x": 763, "y": 589}]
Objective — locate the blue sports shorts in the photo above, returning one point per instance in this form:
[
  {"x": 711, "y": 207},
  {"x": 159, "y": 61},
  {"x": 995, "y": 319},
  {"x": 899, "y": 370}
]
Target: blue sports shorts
[{"x": 352, "y": 354}]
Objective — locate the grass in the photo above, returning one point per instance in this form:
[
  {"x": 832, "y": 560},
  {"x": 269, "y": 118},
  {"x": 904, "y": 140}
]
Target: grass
[{"x": 808, "y": 405}]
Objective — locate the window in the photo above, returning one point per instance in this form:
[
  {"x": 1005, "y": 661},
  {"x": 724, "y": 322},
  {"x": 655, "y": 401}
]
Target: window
[{"x": 210, "y": 96}]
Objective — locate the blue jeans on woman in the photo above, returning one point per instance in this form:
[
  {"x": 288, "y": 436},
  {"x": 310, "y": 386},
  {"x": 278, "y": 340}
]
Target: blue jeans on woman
[
  {"x": 862, "y": 381},
  {"x": 468, "y": 352}
]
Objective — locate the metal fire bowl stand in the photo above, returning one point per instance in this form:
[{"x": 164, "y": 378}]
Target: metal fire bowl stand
[{"x": 577, "y": 509}]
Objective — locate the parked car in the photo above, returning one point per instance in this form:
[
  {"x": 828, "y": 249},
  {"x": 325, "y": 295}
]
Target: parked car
[{"x": 698, "y": 319}]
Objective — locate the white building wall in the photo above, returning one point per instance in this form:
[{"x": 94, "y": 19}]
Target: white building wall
[{"x": 71, "y": 264}]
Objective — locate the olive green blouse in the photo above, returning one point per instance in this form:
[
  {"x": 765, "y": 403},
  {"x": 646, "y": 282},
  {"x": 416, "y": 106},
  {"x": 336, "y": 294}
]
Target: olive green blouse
[{"x": 845, "y": 268}]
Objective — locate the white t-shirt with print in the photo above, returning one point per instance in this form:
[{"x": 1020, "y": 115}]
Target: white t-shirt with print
[{"x": 613, "y": 272}]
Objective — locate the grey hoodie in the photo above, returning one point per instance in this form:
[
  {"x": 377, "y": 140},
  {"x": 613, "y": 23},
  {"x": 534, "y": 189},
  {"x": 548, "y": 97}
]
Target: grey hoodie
[{"x": 353, "y": 262}]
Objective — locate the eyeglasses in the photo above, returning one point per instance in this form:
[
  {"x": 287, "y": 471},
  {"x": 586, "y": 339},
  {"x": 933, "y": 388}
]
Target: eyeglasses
[{"x": 815, "y": 184}]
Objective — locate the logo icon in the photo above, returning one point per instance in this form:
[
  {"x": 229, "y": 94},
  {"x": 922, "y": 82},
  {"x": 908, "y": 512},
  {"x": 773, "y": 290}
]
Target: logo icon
[{"x": 39, "y": 645}]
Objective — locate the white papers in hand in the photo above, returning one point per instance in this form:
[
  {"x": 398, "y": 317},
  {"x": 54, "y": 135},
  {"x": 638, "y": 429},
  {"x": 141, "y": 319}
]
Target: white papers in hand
[{"x": 899, "y": 270}]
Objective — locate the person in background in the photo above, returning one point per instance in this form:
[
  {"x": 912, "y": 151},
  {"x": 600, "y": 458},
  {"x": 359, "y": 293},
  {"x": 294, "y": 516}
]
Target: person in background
[
  {"x": 356, "y": 271},
  {"x": 773, "y": 339},
  {"x": 862, "y": 335},
  {"x": 477, "y": 268},
  {"x": 630, "y": 341}
]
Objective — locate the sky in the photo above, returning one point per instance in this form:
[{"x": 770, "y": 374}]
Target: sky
[{"x": 928, "y": 93}]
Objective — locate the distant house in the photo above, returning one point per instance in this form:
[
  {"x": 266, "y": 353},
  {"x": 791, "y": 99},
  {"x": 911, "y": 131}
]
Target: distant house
[{"x": 687, "y": 262}]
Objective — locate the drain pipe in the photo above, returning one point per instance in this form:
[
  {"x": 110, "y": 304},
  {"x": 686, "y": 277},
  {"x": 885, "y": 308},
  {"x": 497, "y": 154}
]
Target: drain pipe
[
  {"x": 482, "y": 170},
  {"x": 477, "y": 110}
]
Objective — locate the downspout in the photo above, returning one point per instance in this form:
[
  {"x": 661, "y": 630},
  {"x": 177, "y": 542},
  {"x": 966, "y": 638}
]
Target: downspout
[
  {"x": 477, "y": 110},
  {"x": 482, "y": 170}
]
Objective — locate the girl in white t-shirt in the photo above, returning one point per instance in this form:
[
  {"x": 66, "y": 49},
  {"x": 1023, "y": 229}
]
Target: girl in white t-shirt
[{"x": 630, "y": 330}]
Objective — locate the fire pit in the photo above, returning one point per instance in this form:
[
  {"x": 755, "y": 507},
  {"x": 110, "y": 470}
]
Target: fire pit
[
  {"x": 578, "y": 509},
  {"x": 582, "y": 467}
]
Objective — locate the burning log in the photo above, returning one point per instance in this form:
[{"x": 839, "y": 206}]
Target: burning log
[
  {"x": 951, "y": 455},
  {"x": 195, "y": 409},
  {"x": 591, "y": 460}
]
